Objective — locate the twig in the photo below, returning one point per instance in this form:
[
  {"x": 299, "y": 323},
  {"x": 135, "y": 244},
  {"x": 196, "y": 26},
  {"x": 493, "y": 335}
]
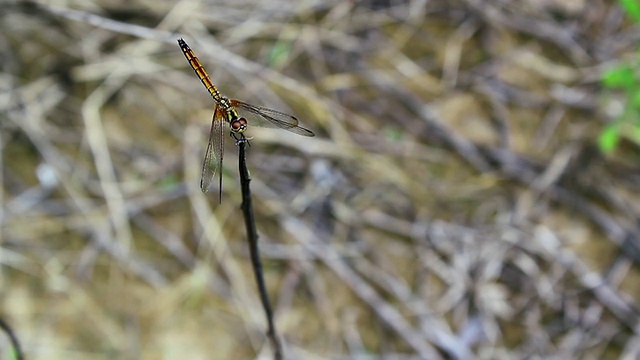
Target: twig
[
  {"x": 13, "y": 338},
  {"x": 252, "y": 235}
]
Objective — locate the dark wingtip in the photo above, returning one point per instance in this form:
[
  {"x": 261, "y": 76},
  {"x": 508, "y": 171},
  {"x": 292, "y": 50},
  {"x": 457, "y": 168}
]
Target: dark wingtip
[{"x": 204, "y": 189}]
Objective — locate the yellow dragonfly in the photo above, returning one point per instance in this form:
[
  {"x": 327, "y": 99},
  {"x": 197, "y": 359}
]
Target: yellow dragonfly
[{"x": 238, "y": 115}]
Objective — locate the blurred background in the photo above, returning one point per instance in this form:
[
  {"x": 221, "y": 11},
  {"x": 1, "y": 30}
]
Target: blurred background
[{"x": 457, "y": 201}]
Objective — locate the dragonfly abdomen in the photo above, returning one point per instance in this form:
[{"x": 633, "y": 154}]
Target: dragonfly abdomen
[{"x": 196, "y": 65}]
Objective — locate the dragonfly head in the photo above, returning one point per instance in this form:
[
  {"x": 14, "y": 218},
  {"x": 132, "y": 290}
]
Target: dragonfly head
[{"x": 239, "y": 126}]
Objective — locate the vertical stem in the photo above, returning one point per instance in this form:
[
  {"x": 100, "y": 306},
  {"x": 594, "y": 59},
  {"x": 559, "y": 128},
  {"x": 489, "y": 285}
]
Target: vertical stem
[{"x": 252, "y": 235}]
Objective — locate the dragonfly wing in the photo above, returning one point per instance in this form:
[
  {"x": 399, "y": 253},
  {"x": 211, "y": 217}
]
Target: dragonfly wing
[
  {"x": 264, "y": 117},
  {"x": 215, "y": 149}
]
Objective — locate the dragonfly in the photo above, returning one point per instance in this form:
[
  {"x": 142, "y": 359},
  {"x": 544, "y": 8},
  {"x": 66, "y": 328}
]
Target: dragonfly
[{"x": 238, "y": 115}]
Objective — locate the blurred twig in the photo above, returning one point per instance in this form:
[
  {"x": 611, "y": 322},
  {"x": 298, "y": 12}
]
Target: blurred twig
[
  {"x": 13, "y": 338},
  {"x": 252, "y": 236}
]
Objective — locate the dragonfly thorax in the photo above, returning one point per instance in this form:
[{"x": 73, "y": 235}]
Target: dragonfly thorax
[{"x": 237, "y": 124}]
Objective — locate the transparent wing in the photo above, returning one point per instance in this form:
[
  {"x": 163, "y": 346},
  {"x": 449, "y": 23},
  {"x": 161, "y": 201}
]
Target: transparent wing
[
  {"x": 263, "y": 117},
  {"x": 215, "y": 150}
]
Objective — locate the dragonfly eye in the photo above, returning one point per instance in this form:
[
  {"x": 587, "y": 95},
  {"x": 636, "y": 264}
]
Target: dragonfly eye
[{"x": 239, "y": 126}]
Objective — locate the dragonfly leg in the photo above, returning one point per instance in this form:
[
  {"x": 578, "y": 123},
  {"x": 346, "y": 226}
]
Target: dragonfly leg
[{"x": 240, "y": 138}]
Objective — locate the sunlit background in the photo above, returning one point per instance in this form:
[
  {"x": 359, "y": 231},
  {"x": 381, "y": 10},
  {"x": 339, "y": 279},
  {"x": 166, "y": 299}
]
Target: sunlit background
[{"x": 454, "y": 203}]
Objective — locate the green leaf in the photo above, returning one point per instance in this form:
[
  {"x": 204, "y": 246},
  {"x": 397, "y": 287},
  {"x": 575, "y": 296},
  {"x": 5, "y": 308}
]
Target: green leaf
[
  {"x": 394, "y": 134},
  {"x": 609, "y": 138},
  {"x": 632, "y": 8},
  {"x": 635, "y": 99},
  {"x": 168, "y": 183},
  {"x": 634, "y": 134},
  {"x": 622, "y": 76},
  {"x": 279, "y": 53}
]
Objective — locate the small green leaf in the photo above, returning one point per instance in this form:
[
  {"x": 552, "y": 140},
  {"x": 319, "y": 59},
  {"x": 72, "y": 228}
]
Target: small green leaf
[
  {"x": 635, "y": 99},
  {"x": 609, "y": 138},
  {"x": 634, "y": 134},
  {"x": 632, "y": 8},
  {"x": 622, "y": 76},
  {"x": 169, "y": 182},
  {"x": 279, "y": 53},
  {"x": 394, "y": 134}
]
